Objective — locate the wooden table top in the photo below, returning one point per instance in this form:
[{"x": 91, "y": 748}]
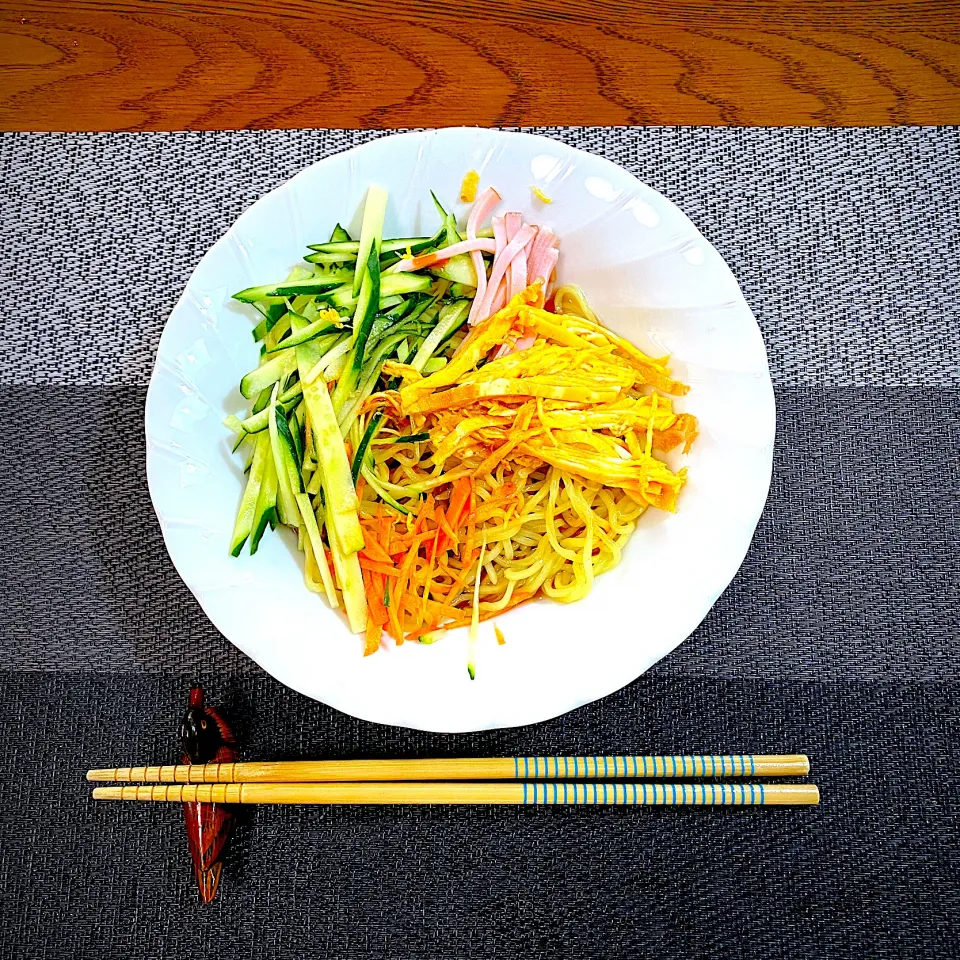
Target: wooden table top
[{"x": 225, "y": 64}]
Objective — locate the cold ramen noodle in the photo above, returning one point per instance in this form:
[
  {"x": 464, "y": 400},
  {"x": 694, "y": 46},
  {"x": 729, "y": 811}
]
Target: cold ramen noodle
[{"x": 448, "y": 435}]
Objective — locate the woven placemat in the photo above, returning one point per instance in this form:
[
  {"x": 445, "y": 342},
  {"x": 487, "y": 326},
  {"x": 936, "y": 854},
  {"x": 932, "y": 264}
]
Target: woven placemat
[{"x": 839, "y": 635}]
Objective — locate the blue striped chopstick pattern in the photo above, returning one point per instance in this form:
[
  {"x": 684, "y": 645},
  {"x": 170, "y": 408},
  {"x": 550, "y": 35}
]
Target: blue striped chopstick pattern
[
  {"x": 634, "y": 767},
  {"x": 649, "y": 794}
]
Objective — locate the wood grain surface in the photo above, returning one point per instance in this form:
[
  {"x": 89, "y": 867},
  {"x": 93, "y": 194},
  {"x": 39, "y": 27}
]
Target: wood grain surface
[{"x": 225, "y": 64}]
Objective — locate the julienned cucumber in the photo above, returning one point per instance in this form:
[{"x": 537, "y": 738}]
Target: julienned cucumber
[
  {"x": 325, "y": 333},
  {"x": 248, "y": 502},
  {"x": 371, "y": 233},
  {"x": 349, "y": 249},
  {"x": 294, "y": 288},
  {"x": 458, "y": 269},
  {"x": 283, "y": 460},
  {"x": 275, "y": 369},
  {"x": 266, "y": 512}
]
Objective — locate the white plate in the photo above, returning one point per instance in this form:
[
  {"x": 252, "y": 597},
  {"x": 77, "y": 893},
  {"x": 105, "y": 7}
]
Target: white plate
[{"x": 646, "y": 271}]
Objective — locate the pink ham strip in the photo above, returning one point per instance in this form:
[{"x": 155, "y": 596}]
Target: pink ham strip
[
  {"x": 500, "y": 298},
  {"x": 536, "y": 261},
  {"x": 482, "y": 208},
  {"x": 550, "y": 259},
  {"x": 517, "y": 271},
  {"x": 500, "y": 242},
  {"x": 445, "y": 253},
  {"x": 501, "y": 261}
]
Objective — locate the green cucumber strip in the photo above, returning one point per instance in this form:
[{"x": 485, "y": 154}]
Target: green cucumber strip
[
  {"x": 400, "y": 244},
  {"x": 350, "y": 577},
  {"x": 347, "y": 247},
  {"x": 385, "y": 323},
  {"x": 291, "y": 393},
  {"x": 283, "y": 458},
  {"x": 367, "y": 303},
  {"x": 319, "y": 328},
  {"x": 388, "y": 303},
  {"x": 234, "y": 423},
  {"x": 458, "y": 269},
  {"x": 295, "y": 430},
  {"x": 439, "y": 206},
  {"x": 272, "y": 312},
  {"x": 333, "y": 465},
  {"x": 434, "y": 364},
  {"x": 412, "y": 438},
  {"x": 279, "y": 329},
  {"x": 371, "y": 233},
  {"x": 339, "y": 235},
  {"x": 316, "y": 547},
  {"x": 291, "y": 450},
  {"x": 292, "y": 288},
  {"x": 266, "y": 512},
  {"x": 329, "y": 259},
  {"x": 449, "y": 221},
  {"x": 458, "y": 290},
  {"x": 316, "y": 481},
  {"x": 248, "y": 502},
  {"x": 327, "y": 359},
  {"x": 398, "y": 312},
  {"x": 364, "y": 444},
  {"x": 261, "y": 402},
  {"x": 391, "y": 285},
  {"x": 362, "y": 323},
  {"x": 273, "y": 371},
  {"x": 352, "y": 247},
  {"x": 335, "y": 370},
  {"x": 452, "y": 316},
  {"x": 260, "y": 420},
  {"x": 367, "y": 380},
  {"x": 378, "y": 489}
]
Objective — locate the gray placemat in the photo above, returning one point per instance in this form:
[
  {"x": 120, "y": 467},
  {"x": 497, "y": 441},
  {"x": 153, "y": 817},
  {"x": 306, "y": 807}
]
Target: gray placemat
[{"x": 838, "y": 635}]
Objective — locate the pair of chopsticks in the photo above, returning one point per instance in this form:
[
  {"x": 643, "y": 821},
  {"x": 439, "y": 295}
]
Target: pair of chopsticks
[{"x": 536, "y": 780}]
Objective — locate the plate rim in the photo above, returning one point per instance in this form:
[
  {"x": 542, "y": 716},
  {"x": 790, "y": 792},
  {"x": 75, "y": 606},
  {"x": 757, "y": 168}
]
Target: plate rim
[{"x": 578, "y": 701}]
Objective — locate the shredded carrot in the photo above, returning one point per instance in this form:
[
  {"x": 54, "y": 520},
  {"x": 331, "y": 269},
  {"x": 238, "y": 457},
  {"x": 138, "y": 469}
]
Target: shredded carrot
[
  {"x": 373, "y": 583},
  {"x": 383, "y": 569},
  {"x": 448, "y": 532},
  {"x": 374, "y": 632},
  {"x": 427, "y": 260},
  {"x": 393, "y": 616},
  {"x": 374, "y": 551},
  {"x": 462, "y": 492}
]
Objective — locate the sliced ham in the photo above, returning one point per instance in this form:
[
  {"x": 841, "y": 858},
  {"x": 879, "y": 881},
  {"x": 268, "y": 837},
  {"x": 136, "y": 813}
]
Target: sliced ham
[
  {"x": 526, "y": 234},
  {"x": 517, "y": 271},
  {"x": 484, "y": 206},
  {"x": 539, "y": 254}
]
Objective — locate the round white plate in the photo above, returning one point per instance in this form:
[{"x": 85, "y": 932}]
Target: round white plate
[{"x": 646, "y": 271}]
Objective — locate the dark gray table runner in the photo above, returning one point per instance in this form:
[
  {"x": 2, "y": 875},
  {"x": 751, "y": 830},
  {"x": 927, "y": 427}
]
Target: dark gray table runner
[{"x": 838, "y": 636}]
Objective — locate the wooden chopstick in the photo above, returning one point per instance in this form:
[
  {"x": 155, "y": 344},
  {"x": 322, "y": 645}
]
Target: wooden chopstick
[
  {"x": 630, "y": 794},
  {"x": 497, "y": 768}
]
